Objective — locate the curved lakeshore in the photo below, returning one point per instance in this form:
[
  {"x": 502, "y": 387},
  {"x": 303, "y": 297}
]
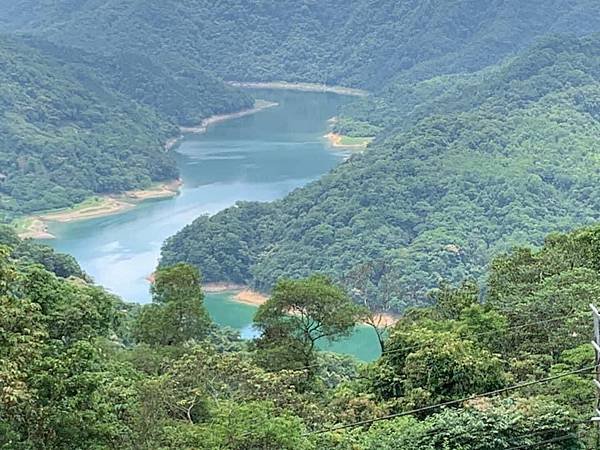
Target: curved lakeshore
[
  {"x": 302, "y": 87},
  {"x": 36, "y": 226},
  {"x": 259, "y": 157},
  {"x": 259, "y": 105},
  {"x": 243, "y": 294}
]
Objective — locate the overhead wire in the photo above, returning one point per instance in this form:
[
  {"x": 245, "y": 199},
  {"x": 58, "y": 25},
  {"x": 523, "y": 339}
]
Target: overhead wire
[{"x": 453, "y": 402}]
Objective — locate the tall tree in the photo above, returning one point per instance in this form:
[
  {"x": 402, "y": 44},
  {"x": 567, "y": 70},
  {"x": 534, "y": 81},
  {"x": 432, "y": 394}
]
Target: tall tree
[
  {"x": 177, "y": 313},
  {"x": 301, "y": 313}
]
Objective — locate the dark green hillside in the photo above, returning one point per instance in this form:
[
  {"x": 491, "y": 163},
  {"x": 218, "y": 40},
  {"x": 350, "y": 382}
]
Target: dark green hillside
[
  {"x": 553, "y": 63},
  {"x": 168, "y": 56},
  {"x": 432, "y": 201},
  {"x": 75, "y": 124},
  {"x": 358, "y": 42},
  {"x": 62, "y": 141},
  {"x": 184, "y": 94},
  {"x": 30, "y": 252}
]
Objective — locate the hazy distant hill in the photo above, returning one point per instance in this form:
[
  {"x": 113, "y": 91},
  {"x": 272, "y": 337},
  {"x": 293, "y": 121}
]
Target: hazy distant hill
[{"x": 357, "y": 42}]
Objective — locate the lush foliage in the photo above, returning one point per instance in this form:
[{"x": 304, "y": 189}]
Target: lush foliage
[
  {"x": 177, "y": 314},
  {"x": 509, "y": 163},
  {"x": 76, "y": 124},
  {"x": 357, "y": 42},
  {"x": 463, "y": 167},
  {"x": 299, "y": 314},
  {"x": 30, "y": 252},
  {"x": 71, "y": 377}
]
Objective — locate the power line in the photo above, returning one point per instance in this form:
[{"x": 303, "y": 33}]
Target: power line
[
  {"x": 548, "y": 441},
  {"x": 454, "y": 402}
]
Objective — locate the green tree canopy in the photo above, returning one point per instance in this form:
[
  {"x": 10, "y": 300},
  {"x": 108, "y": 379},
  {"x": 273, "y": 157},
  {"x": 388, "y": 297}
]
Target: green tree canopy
[
  {"x": 302, "y": 312},
  {"x": 177, "y": 313}
]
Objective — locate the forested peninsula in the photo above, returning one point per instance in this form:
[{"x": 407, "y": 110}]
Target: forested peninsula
[
  {"x": 465, "y": 167},
  {"x": 76, "y": 125}
]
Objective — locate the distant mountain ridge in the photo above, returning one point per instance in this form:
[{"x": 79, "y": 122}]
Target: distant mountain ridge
[{"x": 361, "y": 43}]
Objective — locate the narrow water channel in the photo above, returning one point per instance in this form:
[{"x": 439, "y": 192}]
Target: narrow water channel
[{"x": 259, "y": 157}]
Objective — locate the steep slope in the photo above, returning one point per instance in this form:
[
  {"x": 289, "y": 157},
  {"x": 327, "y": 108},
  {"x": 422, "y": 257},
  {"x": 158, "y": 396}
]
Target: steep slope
[
  {"x": 358, "y": 42},
  {"x": 184, "y": 94},
  {"x": 60, "y": 140},
  {"x": 75, "y": 124},
  {"x": 433, "y": 200}
]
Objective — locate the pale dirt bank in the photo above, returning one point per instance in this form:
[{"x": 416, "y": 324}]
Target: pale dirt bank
[
  {"x": 37, "y": 227},
  {"x": 245, "y": 295},
  {"x": 259, "y": 105},
  {"x": 250, "y": 297},
  {"x": 336, "y": 141},
  {"x": 304, "y": 87},
  {"x": 386, "y": 319}
]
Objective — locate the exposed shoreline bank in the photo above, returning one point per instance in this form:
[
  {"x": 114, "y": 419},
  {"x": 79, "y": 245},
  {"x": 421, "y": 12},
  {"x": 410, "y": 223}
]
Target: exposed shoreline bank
[
  {"x": 336, "y": 140},
  {"x": 36, "y": 227},
  {"x": 259, "y": 105},
  {"x": 304, "y": 87},
  {"x": 243, "y": 294}
]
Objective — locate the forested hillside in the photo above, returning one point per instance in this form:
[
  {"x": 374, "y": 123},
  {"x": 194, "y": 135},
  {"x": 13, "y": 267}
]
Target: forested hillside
[
  {"x": 75, "y": 124},
  {"x": 361, "y": 43},
  {"x": 184, "y": 95},
  {"x": 65, "y": 136},
  {"x": 160, "y": 62},
  {"x": 486, "y": 125},
  {"x": 507, "y": 162},
  {"x": 81, "y": 369}
]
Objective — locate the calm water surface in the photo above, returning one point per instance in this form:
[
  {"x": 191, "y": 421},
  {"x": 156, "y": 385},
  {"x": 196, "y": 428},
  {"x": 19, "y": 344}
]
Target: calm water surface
[{"x": 260, "y": 157}]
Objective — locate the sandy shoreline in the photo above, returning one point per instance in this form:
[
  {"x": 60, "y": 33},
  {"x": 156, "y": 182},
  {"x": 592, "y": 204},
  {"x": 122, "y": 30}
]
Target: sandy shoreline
[
  {"x": 259, "y": 105},
  {"x": 250, "y": 297},
  {"x": 386, "y": 319},
  {"x": 304, "y": 87},
  {"x": 243, "y": 294},
  {"x": 335, "y": 140},
  {"x": 36, "y": 227}
]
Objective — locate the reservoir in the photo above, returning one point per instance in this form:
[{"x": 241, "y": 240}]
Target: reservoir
[{"x": 260, "y": 157}]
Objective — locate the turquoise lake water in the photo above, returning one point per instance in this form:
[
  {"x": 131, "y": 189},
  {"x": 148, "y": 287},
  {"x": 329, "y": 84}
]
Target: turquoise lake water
[{"x": 260, "y": 157}]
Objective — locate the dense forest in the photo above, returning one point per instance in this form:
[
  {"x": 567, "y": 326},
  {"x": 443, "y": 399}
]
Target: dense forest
[
  {"x": 83, "y": 370},
  {"x": 509, "y": 159},
  {"x": 62, "y": 141},
  {"x": 361, "y": 43},
  {"x": 75, "y": 124},
  {"x": 473, "y": 214},
  {"x": 166, "y": 58}
]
